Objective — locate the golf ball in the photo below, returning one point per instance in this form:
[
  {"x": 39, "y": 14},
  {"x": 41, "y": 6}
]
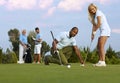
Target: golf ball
[{"x": 68, "y": 66}]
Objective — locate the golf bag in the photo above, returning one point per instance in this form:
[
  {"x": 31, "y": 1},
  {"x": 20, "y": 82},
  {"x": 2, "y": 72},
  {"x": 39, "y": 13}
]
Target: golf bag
[{"x": 27, "y": 55}]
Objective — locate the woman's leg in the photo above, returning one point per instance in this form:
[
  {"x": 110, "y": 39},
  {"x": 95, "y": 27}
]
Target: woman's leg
[{"x": 101, "y": 44}]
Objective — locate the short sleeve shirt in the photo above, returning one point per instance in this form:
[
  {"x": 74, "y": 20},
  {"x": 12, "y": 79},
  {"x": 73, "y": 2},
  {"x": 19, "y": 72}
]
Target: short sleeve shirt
[
  {"x": 37, "y": 37},
  {"x": 64, "y": 40},
  {"x": 23, "y": 39}
]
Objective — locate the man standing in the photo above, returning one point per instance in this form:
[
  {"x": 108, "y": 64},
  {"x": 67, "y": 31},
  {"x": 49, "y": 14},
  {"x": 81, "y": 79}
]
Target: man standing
[
  {"x": 66, "y": 45},
  {"x": 22, "y": 46},
  {"x": 37, "y": 48}
]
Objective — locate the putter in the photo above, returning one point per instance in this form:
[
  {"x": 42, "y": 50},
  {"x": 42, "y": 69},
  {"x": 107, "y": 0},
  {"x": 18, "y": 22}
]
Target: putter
[
  {"x": 88, "y": 51},
  {"x": 56, "y": 51}
]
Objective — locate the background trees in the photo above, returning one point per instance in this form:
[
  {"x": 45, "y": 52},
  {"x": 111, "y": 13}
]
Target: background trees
[
  {"x": 11, "y": 55},
  {"x": 14, "y": 39},
  {"x": 112, "y": 57}
]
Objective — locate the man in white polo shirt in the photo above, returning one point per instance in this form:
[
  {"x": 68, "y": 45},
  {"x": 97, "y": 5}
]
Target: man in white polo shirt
[{"x": 65, "y": 43}]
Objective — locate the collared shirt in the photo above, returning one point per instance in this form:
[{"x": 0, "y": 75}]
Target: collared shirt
[
  {"x": 64, "y": 40},
  {"x": 37, "y": 37},
  {"x": 23, "y": 39}
]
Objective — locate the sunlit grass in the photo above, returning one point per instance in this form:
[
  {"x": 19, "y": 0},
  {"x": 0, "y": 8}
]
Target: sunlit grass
[{"x": 40, "y": 73}]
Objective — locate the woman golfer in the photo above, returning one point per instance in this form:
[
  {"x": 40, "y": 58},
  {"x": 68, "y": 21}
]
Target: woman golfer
[{"x": 98, "y": 20}]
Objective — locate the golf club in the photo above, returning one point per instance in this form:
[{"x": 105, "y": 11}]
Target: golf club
[
  {"x": 56, "y": 51},
  {"x": 88, "y": 51}
]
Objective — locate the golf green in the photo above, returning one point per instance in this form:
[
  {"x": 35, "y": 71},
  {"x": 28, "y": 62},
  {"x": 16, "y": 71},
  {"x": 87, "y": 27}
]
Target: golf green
[{"x": 40, "y": 73}]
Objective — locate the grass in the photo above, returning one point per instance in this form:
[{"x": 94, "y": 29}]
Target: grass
[{"x": 39, "y": 73}]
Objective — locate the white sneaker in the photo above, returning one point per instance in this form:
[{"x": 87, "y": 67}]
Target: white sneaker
[
  {"x": 33, "y": 62},
  {"x": 100, "y": 64},
  {"x": 38, "y": 62},
  {"x": 82, "y": 65},
  {"x": 20, "y": 62}
]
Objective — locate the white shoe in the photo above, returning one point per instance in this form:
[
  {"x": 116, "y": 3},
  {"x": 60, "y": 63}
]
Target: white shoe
[
  {"x": 33, "y": 62},
  {"x": 38, "y": 62},
  {"x": 82, "y": 65},
  {"x": 100, "y": 64},
  {"x": 20, "y": 62}
]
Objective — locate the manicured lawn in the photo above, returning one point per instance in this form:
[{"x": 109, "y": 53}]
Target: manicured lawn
[{"x": 39, "y": 73}]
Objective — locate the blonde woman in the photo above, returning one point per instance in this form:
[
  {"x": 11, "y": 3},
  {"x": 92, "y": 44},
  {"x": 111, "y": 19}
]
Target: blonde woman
[{"x": 98, "y": 20}]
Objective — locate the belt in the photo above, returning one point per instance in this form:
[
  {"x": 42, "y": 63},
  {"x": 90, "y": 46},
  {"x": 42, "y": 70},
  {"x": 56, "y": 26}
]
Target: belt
[{"x": 37, "y": 44}]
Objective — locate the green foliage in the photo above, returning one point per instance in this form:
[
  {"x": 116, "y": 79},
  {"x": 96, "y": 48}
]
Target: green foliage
[
  {"x": 93, "y": 56},
  {"x": 73, "y": 58},
  {"x": 31, "y": 42},
  {"x": 14, "y": 39},
  {"x": 85, "y": 53},
  {"x": 111, "y": 56},
  {"x": 45, "y": 48},
  {"x": 0, "y": 55},
  {"x": 9, "y": 57},
  {"x": 118, "y": 54}
]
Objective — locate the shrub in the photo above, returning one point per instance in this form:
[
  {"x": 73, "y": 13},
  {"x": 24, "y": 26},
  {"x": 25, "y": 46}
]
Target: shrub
[
  {"x": 9, "y": 58},
  {"x": 0, "y": 55}
]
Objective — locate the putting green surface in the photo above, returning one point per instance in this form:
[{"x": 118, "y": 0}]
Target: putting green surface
[{"x": 40, "y": 73}]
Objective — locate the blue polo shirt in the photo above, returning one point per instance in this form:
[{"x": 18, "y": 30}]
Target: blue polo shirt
[
  {"x": 37, "y": 37},
  {"x": 23, "y": 39}
]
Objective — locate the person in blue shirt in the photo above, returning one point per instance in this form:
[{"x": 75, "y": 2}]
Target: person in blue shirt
[
  {"x": 37, "y": 48},
  {"x": 22, "y": 46}
]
